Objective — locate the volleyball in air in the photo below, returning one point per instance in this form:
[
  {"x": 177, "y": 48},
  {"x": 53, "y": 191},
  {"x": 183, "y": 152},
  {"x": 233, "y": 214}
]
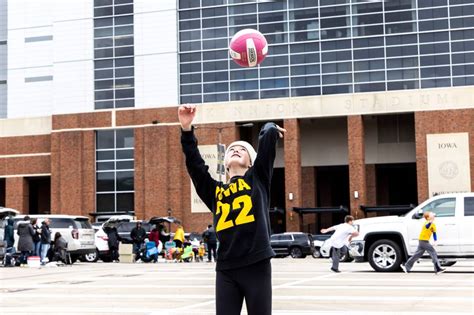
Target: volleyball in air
[{"x": 248, "y": 48}]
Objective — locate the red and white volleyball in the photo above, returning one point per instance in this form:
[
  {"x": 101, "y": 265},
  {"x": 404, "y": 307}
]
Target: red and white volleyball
[{"x": 248, "y": 48}]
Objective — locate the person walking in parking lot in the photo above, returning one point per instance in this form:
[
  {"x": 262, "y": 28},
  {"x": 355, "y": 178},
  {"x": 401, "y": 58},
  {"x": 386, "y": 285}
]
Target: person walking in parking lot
[
  {"x": 25, "y": 242},
  {"x": 240, "y": 208},
  {"x": 210, "y": 238},
  {"x": 179, "y": 236},
  {"x": 9, "y": 235},
  {"x": 45, "y": 240},
  {"x": 428, "y": 229},
  {"x": 138, "y": 235},
  {"x": 340, "y": 239},
  {"x": 36, "y": 237},
  {"x": 113, "y": 241}
]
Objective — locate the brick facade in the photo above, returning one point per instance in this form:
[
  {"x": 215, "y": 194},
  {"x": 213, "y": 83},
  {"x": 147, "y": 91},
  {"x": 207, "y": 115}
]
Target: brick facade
[
  {"x": 356, "y": 157},
  {"x": 432, "y": 122},
  {"x": 161, "y": 180}
]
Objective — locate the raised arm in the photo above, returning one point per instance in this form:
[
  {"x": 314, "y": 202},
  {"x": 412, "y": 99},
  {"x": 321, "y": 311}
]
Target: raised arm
[
  {"x": 267, "y": 139},
  {"x": 198, "y": 170}
]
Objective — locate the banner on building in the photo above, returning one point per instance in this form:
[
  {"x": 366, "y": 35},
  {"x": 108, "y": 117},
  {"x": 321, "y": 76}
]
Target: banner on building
[
  {"x": 448, "y": 163},
  {"x": 210, "y": 155}
]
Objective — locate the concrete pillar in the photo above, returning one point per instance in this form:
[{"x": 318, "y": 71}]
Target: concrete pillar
[
  {"x": 292, "y": 155},
  {"x": 356, "y": 157},
  {"x": 17, "y": 194}
]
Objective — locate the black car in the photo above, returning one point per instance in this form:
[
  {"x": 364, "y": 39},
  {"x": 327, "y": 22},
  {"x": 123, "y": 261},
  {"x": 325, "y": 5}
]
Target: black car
[
  {"x": 124, "y": 229},
  {"x": 295, "y": 244}
]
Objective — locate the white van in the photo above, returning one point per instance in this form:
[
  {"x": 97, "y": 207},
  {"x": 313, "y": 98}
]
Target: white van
[{"x": 76, "y": 230}]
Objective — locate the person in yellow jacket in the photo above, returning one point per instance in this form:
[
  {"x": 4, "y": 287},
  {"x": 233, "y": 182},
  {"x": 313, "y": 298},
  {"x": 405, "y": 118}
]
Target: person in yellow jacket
[
  {"x": 179, "y": 236},
  {"x": 428, "y": 229}
]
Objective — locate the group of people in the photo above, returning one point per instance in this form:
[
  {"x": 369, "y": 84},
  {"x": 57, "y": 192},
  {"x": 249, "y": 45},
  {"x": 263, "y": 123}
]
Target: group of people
[{"x": 35, "y": 240}]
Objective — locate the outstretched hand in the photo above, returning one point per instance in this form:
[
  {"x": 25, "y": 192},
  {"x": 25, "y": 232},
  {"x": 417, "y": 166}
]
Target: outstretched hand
[
  {"x": 281, "y": 131},
  {"x": 186, "y": 114}
]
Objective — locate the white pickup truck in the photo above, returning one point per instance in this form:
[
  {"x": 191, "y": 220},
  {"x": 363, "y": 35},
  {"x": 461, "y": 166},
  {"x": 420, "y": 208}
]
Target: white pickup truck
[{"x": 385, "y": 242}]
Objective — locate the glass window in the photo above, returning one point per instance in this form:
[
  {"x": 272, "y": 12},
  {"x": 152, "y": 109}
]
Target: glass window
[
  {"x": 469, "y": 206},
  {"x": 216, "y": 87},
  {"x": 306, "y": 69},
  {"x": 125, "y": 138},
  {"x": 370, "y": 87},
  {"x": 445, "y": 207},
  {"x": 337, "y": 78},
  {"x": 125, "y": 202},
  {"x": 122, "y": 20},
  {"x": 367, "y": 19},
  {"x": 218, "y": 97},
  {"x": 305, "y": 81},
  {"x": 437, "y": 48},
  {"x": 402, "y": 74},
  {"x": 463, "y": 70},
  {"x": 400, "y": 16},
  {"x": 105, "y": 155},
  {"x": 103, "y": 22},
  {"x": 337, "y": 67},
  {"x": 362, "y": 8},
  {"x": 304, "y": 14},
  {"x": 307, "y": 47},
  {"x": 215, "y": 76},
  {"x": 274, "y": 83},
  {"x": 105, "y": 166},
  {"x": 103, "y": 11},
  {"x": 105, "y": 181},
  {"x": 124, "y": 181},
  {"x": 434, "y": 83},
  {"x": 274, "y": 72},
  {"x": 61, "y": 223},
  {"x": 124, "y": 154},
  {"x": 105, "y": 202},
  {"x": 431, "y": 3},
  {"x": 402, "y": 85},
  {"x": 244, "y": 74},
  {"x": 434, "y": 60},
  {"x": 400, "y": 28},
  {"x": 369, "y": 65},
  {"x": 369, "y": 76},
  {"x": 433, "y": 13},
  {"x": 435, "y": 72},
  {"x": 274, "y": 93},
  {"x": 306, "y": 91},
  {"x": 243, "y": 96},
  {"x": 337, "y": 89},
  {"x": 124, "y": 62},
  {"x": 431, "y": 25},
  {"x": 105, "y": 139},
  {"x": 393, "y": 5},
  {"x": 434, "y": 37}
]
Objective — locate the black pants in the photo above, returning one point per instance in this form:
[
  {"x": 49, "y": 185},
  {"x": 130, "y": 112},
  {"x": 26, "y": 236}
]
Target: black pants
[
  {"x": 211, "y": 251},
  {"x": 254, "y": 283}
]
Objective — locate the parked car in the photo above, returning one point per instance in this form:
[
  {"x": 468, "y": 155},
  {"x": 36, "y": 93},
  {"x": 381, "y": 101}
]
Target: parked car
[
  {"x": 101, "y": 244},
  {"x": 124, "y": 228},
  {"x": 101, "y": 239},
  {"x": 385, "y": 242},
  {"x": 326, "y": 252},
  {"x": 295, "y": 244},
  {"x": 318, "y": 241},
  {"x": 76, "y": 230}
]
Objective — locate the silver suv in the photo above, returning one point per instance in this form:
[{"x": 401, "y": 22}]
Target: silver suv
[{"x": 76, "y": 230}]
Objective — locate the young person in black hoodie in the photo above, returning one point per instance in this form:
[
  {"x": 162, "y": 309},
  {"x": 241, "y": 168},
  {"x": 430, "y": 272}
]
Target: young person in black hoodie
[{"x": 240, "y": 212}]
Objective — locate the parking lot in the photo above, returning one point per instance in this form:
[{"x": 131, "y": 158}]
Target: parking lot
[{"x": 300, "y": 286}]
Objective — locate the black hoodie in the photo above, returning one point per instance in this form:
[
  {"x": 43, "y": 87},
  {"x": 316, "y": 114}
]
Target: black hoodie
[{"x": 240, "y": 207}]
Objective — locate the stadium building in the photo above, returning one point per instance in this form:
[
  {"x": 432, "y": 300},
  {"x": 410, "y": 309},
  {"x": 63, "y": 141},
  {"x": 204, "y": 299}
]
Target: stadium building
[{"x": 377, "y": 98}]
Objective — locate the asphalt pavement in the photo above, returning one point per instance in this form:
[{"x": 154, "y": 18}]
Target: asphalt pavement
[{"x": 300, "y": 286}]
